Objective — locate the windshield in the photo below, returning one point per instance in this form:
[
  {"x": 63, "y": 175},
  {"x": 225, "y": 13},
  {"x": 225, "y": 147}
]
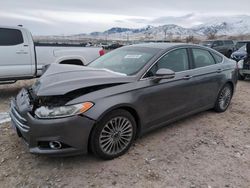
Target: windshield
[
  {"x": 207, "y": 43},
  {"x": 240, "y": 44},
  {"x": 128, "y": 60},
  {"x": 243, "y": 48}
]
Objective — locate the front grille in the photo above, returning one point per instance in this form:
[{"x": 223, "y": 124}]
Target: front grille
[{"x": 19, "y": 121}]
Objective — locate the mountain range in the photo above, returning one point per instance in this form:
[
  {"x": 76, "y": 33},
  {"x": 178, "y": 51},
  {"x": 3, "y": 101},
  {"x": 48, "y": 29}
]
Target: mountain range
[{"x": 229, "y": 26}]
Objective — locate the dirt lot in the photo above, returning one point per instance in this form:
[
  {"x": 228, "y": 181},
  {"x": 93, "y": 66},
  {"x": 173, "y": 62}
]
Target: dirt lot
[{"x": 206, "y": 150}]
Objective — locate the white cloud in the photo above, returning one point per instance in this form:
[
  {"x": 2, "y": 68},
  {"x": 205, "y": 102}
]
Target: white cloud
[
  {"x": 78, "y": 16},
  {"x": 81, "y": 17},
  {"x": 20, "y": 16}
]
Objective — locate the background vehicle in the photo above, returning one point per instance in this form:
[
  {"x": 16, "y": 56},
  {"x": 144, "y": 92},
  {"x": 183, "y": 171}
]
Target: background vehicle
[
  {"x": 21, "y": 59},
  {"x": 226, "y": 47},
  {"x": 113, "y": 46},
  {"x": 240, "y": 54},
  {"x": 105, "y": 105},
  {"x": 244, "y": 64},
  {"x": 240, "y": 44}
]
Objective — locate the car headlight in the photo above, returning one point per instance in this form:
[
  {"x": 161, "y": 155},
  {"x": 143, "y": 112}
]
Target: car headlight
[{"x": 46, "y": 112}]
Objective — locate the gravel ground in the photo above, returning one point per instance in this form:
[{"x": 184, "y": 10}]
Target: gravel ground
[{"x": 206, "y": 150}]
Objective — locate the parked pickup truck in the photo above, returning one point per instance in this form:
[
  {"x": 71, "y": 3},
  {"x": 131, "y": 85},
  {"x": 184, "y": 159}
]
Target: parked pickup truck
[{"x": 21, "y": 59}]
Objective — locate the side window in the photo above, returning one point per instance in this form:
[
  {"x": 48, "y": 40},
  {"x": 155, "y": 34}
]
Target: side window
[
  {"x": 217, "y": 57},
  {"x": 176, "y": 60},
  {"x": 10, "y": 37},
  {"x": 218, "y": 43},
  {"x": 202, "y": 58},
  {"x": 229, "y": 42}
]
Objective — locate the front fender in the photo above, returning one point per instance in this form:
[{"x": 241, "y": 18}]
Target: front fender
[{"x": 106, "y": 105}]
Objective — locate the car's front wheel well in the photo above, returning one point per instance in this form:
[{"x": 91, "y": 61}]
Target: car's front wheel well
[
  {"x": 132, "y": 111},
  {"x": 72, "y": 62},
  {"x": 137, "y": 119},
  {"x": 231, "y": 85}
]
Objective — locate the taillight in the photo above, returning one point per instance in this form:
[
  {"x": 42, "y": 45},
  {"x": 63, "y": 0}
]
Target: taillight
[{"x": 101, "y": 52}]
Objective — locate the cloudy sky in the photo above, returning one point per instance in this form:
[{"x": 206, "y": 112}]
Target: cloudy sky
[{"x": 45, "y": 17}]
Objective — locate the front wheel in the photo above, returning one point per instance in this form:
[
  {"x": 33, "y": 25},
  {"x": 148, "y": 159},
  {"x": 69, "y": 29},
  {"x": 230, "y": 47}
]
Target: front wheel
[
  {"x": 241, "y": 77},
  {"x": 113, "y": 135},
  {"x": 224, "y": 98},
  {"x": 229, "y": 53}
]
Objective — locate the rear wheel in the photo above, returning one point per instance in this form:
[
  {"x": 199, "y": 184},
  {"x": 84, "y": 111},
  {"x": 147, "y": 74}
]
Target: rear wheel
[
  {"x": 113, "y": 135},
  {"x": 224, "y": 98}
]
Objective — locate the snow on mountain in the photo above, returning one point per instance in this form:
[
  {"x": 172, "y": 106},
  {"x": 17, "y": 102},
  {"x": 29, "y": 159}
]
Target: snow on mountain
[
  {"x": 237, "y": 25},
  {"x": 230, "y": 26}
]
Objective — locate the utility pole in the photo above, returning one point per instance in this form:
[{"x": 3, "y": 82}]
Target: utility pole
[{"x": 165, "y": 34}]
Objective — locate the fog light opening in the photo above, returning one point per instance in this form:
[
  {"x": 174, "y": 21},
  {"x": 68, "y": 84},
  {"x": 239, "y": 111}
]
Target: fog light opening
[{"x": 55, "y": 145}]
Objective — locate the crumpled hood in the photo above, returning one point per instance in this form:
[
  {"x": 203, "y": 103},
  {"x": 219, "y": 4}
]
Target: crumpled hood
[{"x": 61, "y": 79}]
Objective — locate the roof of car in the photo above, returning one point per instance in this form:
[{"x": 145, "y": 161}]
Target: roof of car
[
  {"x": 163, "y": 45},
  {"x": 11, "y": 27},
  {"x": 244, "y": 41},
  {"x": 216, "y": 40}
]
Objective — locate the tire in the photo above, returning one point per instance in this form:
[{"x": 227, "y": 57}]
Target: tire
[
  {"x": 229, "y": 53},
  {"x": 241, "y": 77},
  {"x": 224, "y": 98},
  {"x": 113, "y": 135}
]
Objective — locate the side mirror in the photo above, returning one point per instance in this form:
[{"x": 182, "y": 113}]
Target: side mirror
[{"x": 164, "y": 74}]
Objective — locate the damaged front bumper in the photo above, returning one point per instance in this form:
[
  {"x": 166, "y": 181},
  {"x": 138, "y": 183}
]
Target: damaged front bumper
[{"x": 72, "y": 132}]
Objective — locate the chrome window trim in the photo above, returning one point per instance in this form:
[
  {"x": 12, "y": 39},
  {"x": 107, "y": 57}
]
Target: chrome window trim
[{"x": 186, "y": 47}]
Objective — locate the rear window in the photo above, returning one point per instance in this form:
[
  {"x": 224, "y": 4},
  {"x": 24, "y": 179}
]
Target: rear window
[
  {"x": 10, "y": 37},
  {"x": 218, "y": 58},
  {"x": 202, "y": 58}
]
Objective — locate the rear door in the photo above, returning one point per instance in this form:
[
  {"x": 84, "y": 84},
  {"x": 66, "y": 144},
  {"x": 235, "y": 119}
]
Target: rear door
[
  {"x": 169, "y": 98},
  {"x": 15, "y": 55},
  {"x": 208, "y": 69}
]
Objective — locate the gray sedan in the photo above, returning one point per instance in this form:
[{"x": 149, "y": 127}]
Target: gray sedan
[{"x": 106, "y": 105}]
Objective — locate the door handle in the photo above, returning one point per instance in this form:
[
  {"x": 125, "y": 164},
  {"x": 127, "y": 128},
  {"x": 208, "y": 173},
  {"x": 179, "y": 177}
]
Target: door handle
[
  {"x": 219, "y": 70},
  {"x": 187, "y": 77},
  {"x": 21, "y": 52}
]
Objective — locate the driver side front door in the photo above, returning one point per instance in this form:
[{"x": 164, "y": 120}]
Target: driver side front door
[{"x": 169, "y": 98}]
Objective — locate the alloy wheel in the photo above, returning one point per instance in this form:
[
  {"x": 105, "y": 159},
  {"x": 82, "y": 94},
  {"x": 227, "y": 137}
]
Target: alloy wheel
[
  {"x": 225, "y": 97},
  {"x": 116, "y": 135}
]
